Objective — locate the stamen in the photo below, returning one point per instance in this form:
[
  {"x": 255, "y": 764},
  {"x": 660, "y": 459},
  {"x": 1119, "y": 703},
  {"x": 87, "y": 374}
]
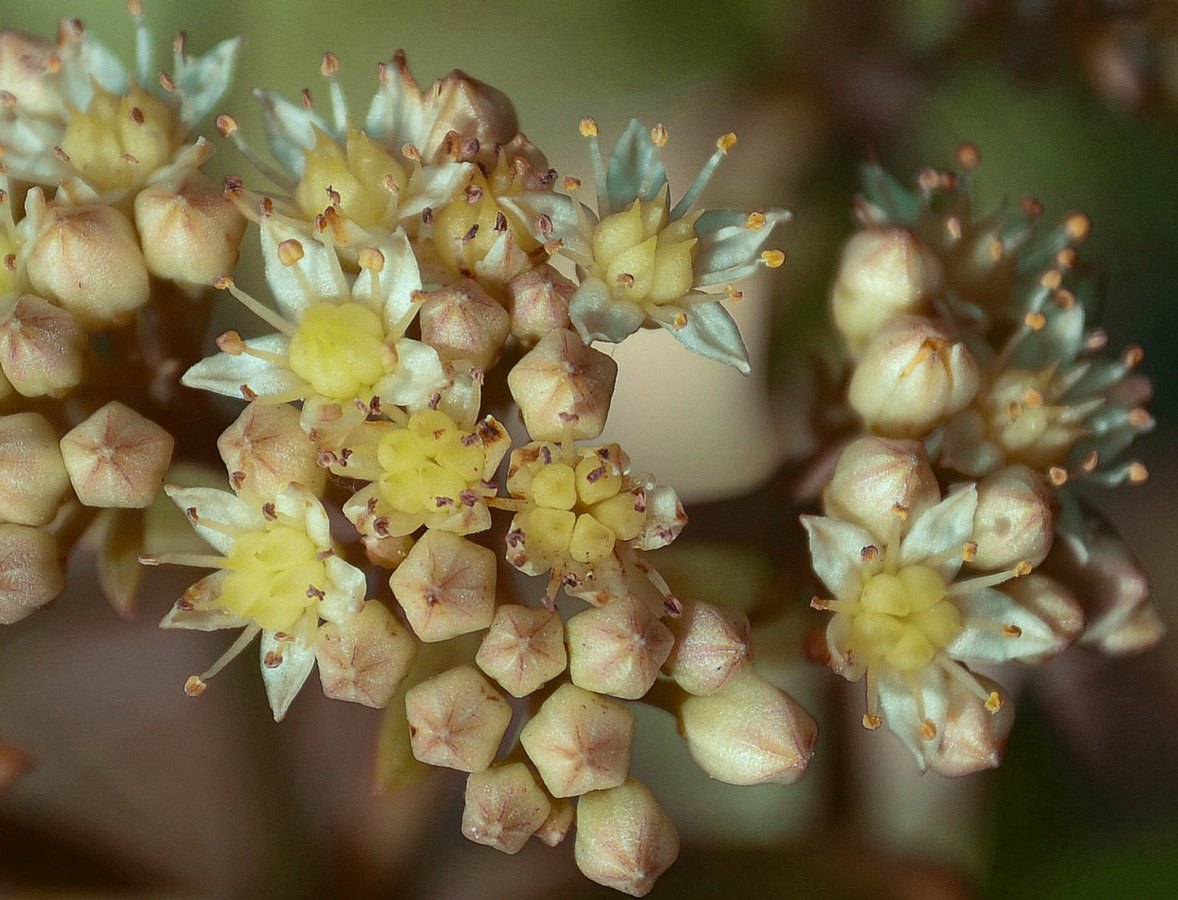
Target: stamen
[
  {"x": 227, "y": 126},
  {"x": 969, "y": 585},
  {"x": 195, "y": 685},
  {"x": 267, "y": 315},
  {"x": 589, "y": 130},
  {"x": 143, "y": 43},
  {"x": 339, "y": 104},
  {"x": 723, "y": 145},
  {"x": 196, "y": 560}
]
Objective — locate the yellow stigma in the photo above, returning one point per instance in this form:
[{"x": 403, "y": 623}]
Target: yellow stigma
[
  {"x": 362, "y": 177},
  {"x": 903, "y": 619},
  {"x": 120, "y": 140},
  {"x": 642, "y": 257},
  {"x": 429, "y": 464},
  {"x": 340, "y": 350},
  {"x": 273, "y": 576}
]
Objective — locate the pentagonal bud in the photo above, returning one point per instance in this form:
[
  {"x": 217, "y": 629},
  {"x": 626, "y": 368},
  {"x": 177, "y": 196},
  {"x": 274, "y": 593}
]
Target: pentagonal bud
[
  {"x": 462, "y": 321},
  {"x": 538, "y": 302},
  {"x": 33, "y": 478},
  {"x": 751, "y": 732},
  {"x": 883, "y": 272},
  {"x": 365, "y": 658},
  {"x": 470, "y": 109},
  {"x": 87, "y": 258},
  {"x": 1052, "y": 603},
  {"x": 1014, "y": 519},
  {"x": 973, "y": 738},
  {"x": 624, "y": 839},
  {"x": 42, "y": 348},
  {"x": 266, "y": 449},
  {"x": 117, "y": 458},
  {"x": 560, "y": 820},
  {"x": 504, "y": 807},
  {"x": 562, "y": 382},
  {"x": 711, "y": 647},
  {"x": 618, "y": 648},
  {"x": 446, "y": 585},
  {"x": 874, "y": 475},
  {"x": 30, "y": 571},
  {"x": 387, "y": 552},
  {"x": 524, "y": 648},
  {"x": 912, "y": 377},
  {"x": 579, "y": 741},
  {"x": 456, "y": 720},
  {"x": 189, "y": 231}
]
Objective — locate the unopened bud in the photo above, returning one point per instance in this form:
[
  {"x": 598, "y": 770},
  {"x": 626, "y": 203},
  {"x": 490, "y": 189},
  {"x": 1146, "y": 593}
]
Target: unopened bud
[
  {"x": 266, "y": 449},
  {"x": 524, "y": 648},
  {"x": 504, "y": 807},
  {"x": 462, "y": 322},
  {"x": 42, "y": 348},
  {"x": 387, "y": 552},
  {"x": 538, "y": 301},
  {"x": 117, "y": 458},
  {"x": 561, "y": 380},
  {"x": 456, "y": 720},
  {"x": 873, "y": 475},
  {"x": 471, "y": 109},
  {"x": 617, "y": 649},
  {"x": 579, "y": 741},
  {"x": 446, "y": 585},
  {"x": 972, "y": 737},
  {"x": 1014, "y": 520},
  {"x": 30, "y": 571},
  {"x": 624, "y": 839},
  {"x": 1053, "y": 604},
  {"x": 559, "y": 822},
  {"x": 33, "y": 477},
  {"x": 24, "y": 72},
  {"x": 365, "y": 658},
  {"x": 711, "y": 647}
]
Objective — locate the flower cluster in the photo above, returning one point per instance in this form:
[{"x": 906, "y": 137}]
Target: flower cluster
[{"x": 977, "y": 375}]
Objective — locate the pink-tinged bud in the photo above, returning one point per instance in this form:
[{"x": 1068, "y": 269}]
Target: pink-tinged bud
[
  {"x": 33, "y": 477},
  {"x": 912, "y": 377},
  {"x": 711, "y": 647},
  {"x": 30, "y": 571},
  {"x": 42, "y": 348},
  {"x": 471, "y": 109},
  {"x": 883, "y": 273},
  {"x": 117, "y": 458},
  {"x": 617, "y": 649},
  {"x": 524, "y": 648},
  {"x": 24, "y": 73},
  {"x": 446, "y": 585},
  {"x": 874, "y": 475},
  {"x": 559, "y": 822},
  {"x": 388, "y": 552},
  {"x": 456, "y": 720},
  {"x": 365, "y": 658},
  {"x": 751, "y": 732},
  {"x": 266, "y": 449},
  {"x": 190, "y": 233},
  {"x": 972, "y": 738},
  {"x": 87, "y": 258},
  {"x": 1014, "y": 520},
  {"x": 538, "y": 301},
  {"x": 1053, "y": 604},
  {"x": 561, "y": 381},
  {"x": 463, "y": 322},
  {"x": 579, "y": 741},
  {"x": 504, "y": 807},
  {"x": 624, "y": 839}
]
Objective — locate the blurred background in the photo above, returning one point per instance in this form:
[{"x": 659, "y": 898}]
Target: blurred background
[{"x": 137, "y": 792}]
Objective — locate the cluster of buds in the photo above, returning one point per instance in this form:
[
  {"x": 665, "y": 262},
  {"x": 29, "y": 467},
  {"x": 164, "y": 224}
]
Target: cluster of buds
[{"x": 978, "y": 378}]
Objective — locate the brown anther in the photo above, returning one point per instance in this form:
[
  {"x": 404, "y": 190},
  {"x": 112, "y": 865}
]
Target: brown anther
[
  {"x": 305, "y": 99},
  {"x": 290, "y": 252},
  {"x": 233, "y": 186},
  {"x": 625, "y": 279},
  {"x": 869, "y": 554},
  {"x": 410, "y": 152},
  {"x": 1031, "y": 207},
  {"x": 269, "y": 512},
  {"x": 223, "y": 282},
  {"x": 572, "y": 184},
  {"x": 226, "y": 125},
  {"x": 474, "y": 194},
  {"x": 1051, "y": 279},
  {"x": 194, "y": 687},
  {"x": 870, "y": 722},
  {"x": 500, "y": 223},
  {"x": 471, "y": 233},
  {"x": 1011, "y": 631},
  {"x": 135, "y": 8},
  {"x": 544, "y": 224},
  {"x": 968, "y": 156},
  {"x": 1138, "y": 473},
  {"x": 137, "y": 115},
  {"x": 230, "y": 342},
  {"x": 953, "y": 228},
  {"x": 1140, "y": 418},
  {"x": 733, "y": 294},
  {"x": 329, "y": 65},
  {"x": 272, "y": 659},
  {"x": 179, "y": 43},
  {"x": 969, "y": 551},
  {"x": 1065, "y": 298},
  {"x": 7, "y": 98},
  {"x": 10, "y": 262},
  {"x": 1057, "y": 476},
  {"x": 333, "y": 196},
  {"x": 659, "y": 135},
  {"x": 819, "y": 603},
  {"x": 1133, "y": 356},
  {"x": 469, "y": 148},
  {"x": 266, "y": 207},
  {"x": 61, "y": 154},
  {"x": 129, "y": 159},
  {"x": 680, "y": 320},
  {"x": 1091, "y": 461},
  {"x": 928, "y": 730},
  {"x": 1066, "y": 258},
  {"x": 167, "y": 83}
]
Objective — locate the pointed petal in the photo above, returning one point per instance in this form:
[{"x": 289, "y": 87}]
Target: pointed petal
[
  {"x": 836, "y": 549},
  {"x": 434, "y": 187},
  {"x": 346, "y": 595},
  {"x": 225, "y": 374},
  {"x": 902, "y": 714},
  {"x": 989, "y": 640},
  {"x": 392, "y": 289},
  {"x": 705, "y": 328},
  {"x": 418, "y": 376},
  {"x": 597, "y": 316},
  {"x": 205, "y": 79},
  {"x": 728, "y": 247},
  {"x": 665, "y": 518},
  {"x": 397, "y": 115},
  {"x": 562, "y": 212},
  {"x": 940, "y": 530},
  {"x": 293, "y": 660},
  {"x": 636, "y": 170},
  {"x": 290, "y": 130},
  {"x": 220, "y": 507},
  {"x": 316, "y": 276}
]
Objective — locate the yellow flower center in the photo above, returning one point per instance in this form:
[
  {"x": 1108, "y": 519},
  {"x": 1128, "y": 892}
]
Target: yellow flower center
[
  {"x": 340, "y": 350},
  {"x": 903, "y": 619},
  {"x": 641, "y": 257},
  {"x": 364, "y": 176},
  {"x": 273, "y": 576},
  {"x": 1025, "y": 424},
  {"x": 579, "y": 511},
  {"x": 467, "y": 227},
  {"x": 429, "y": 464},
  {"x": 120, "y": 140}
]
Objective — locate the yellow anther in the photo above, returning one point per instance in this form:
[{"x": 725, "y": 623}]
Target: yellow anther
[
  {"x": 993, "y": 702},
  {"x": 969, "y": 551},
  {"x": 1091, "y": 461},
  {"x": 1058, "y": 476},
  {"x": 755, "y": 221},
  {"x": 774, "y": 259},
  {"x": 588, "y": 127},
  {"x": 1035, "y": 320},
  {"x": 1138, "y": 473},
  {"x": 1051, "y": 279},
  {"x": 726, "y": 141},
  {"x": 572, "y": 184},
  {"x": 871, "y": 722},
  {"x": 1077, "y": 226},
  {"x": 1023, "y": 568},
  {"x": 1012, "y": 631},
  {"x": 371, "y": 259},
  {"x": 928, "y": 730},
  {"x": 659, "y": 135},
  {"x": 968, "y": 156},
  {"x": 194, "y": 687}
]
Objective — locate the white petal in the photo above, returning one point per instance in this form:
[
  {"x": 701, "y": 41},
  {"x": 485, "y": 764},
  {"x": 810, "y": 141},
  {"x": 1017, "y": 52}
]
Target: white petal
[
  {"x": 297, "y": 655},
  {"x": 345, "y": 596},
  {"x": 433, "y": 186},
  {"x": 941, "y": 530},
  {"x": 199, "y": 612},
  {"x": 221, "y": 507},
  {"x": 597, "y": 316},
  {"x": 391, "y": 290},
  {"x": 984, "y": 639},
  {"x": 562, "y": 212},
  {"x": 418, "y": 376},
  {"x": 204, "y": 79},
  {"x": 397, "y": 115},
  {"x": 636, "y": 168},
  {"x": 836, "y": 549},
  {"x": 225, "y": 374},
  {"x": 317, "y": 276},
  {"x": 838, "y": 638},
  {"x": 728, "y": 248},
  {"x": 665, "y": 518},
  {"x": 902, "y": 714},
  {"x": 290, "y": 130},
  {"x": 709, "y": 331}
]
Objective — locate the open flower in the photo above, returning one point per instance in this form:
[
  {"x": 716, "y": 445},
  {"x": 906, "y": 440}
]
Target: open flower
[
  {"x": 278, "y": 575},
  {"x": 644, "y": 262}
]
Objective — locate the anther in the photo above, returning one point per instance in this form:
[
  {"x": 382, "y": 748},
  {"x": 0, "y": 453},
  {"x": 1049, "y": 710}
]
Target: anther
[
  {"x": 1058, "y": 476},
  {"x": 305, "y": 99},
  {"x": 1077, "y": 225},
  {"x": 968, "y": 156},
  {"x": 329, "y": 65},
  {"x": 588, "y": 127},
  {"x": 1138, "y": 473},
  {"x": 1035, "y": 320},
  {"x": 194, "y": 686},
  {"x": 659, "y": 135},
  {"x": 372, "y": 259},
  {"x": 870, "y": 722},
  {"x": 726, "y": 142},
  {"x": 167, "y": 83},
  {"x": 928, "y": 730},
  {"x": 137, "y": 115},
  {"x": 774, "y": 259},
  {"x": 993, "y": 702},
  {"x": 1091, "y": 461},
  {"x": 755, "y": 221},
  {"x": 572, "y": 184},
  {"x": 231, "y": 343},
  {"x": 226, "y": 125},
  {"x": 1011, "y": 631}
]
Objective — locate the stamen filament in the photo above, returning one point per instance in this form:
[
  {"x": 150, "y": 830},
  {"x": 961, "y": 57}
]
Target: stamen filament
[{"x": 267, "y": 315}]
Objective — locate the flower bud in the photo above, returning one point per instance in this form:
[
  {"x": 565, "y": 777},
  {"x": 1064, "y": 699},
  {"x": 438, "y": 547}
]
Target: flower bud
[
  {"x": 87, "y": 258},
  {"x": 912, "y": 377},
  {"x": 711, "y": 647},
  {"x": 365, "y": 658},
  {"x": 30, "y": 571},
  {"x": 617, "y": 649},
  {"x": 1014, "y": 520},
  {"x": 1052, "y": 603},
  {"x": 560, "y": 820},
  {"x": 266, "y": 449},
  {"x": 524, "y": 648},
  {"x": 25, "y": 73},
  {"x": 42, "y": 348},
  {"x": 117, "y": 458},
  {"x": 579, "y": 741},
  {"x": 446, "y": 585},
  {"x": 883, "y": 273},
  {"x": 538, "y": 301},
  {"x": 33, "y": 477},
  {"x": 387, "y": 552},
  {"x": 504, "y": 807},
  {"x": 873, "y": 475},
  {"x": 624, "y": 839},
  {"x": 561, "y": 380},
  {"x": 190, "y": 233},
  {"x": 471, "y": 109},
  {"x": 751, "y": 732},
  {"x": 462, "y": 322},
  {"x": 456, "y": 720},
  {"x": 972, "y": 738}
]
